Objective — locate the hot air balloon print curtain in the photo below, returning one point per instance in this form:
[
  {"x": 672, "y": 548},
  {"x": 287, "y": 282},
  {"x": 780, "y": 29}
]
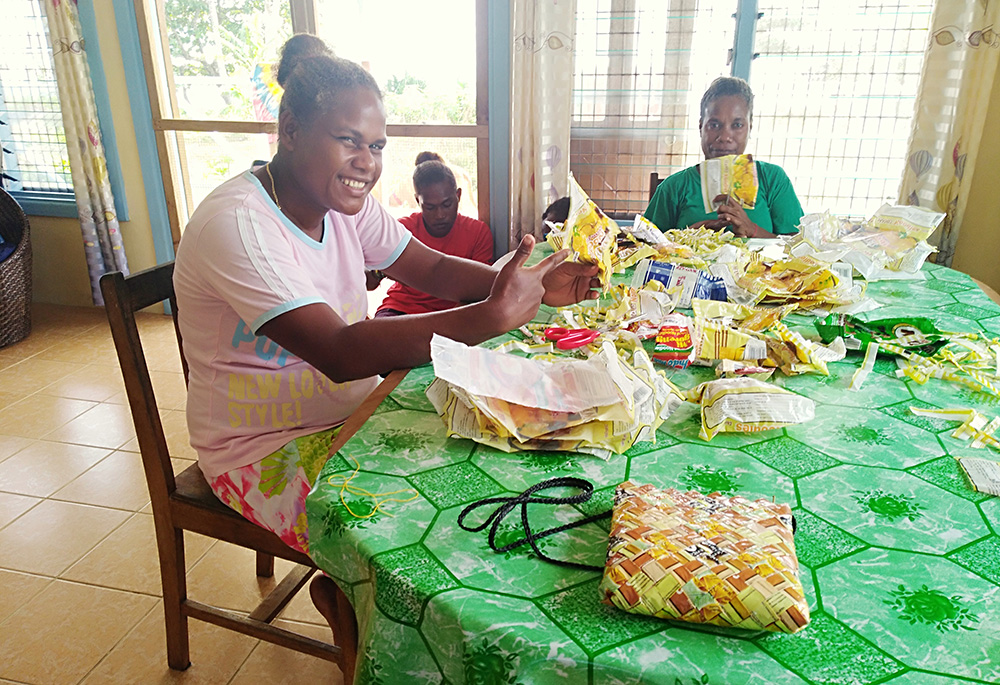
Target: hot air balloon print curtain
[{"x": 951, "y": 106}]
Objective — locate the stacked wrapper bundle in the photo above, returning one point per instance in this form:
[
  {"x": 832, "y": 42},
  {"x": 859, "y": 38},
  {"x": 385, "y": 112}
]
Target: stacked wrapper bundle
[{"x": 600, "y": 405}]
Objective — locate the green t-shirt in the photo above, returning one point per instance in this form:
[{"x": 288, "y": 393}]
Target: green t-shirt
[{"x": 677, "y": 202}]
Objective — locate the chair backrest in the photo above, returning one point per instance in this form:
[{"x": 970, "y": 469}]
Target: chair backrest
[
  {"x": 123, "y": 297},
  {"x": 654, "y": 183}
]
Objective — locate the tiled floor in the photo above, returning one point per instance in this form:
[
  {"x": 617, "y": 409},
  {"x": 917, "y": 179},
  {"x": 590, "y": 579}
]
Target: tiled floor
[{"x": 79, "y": 577}]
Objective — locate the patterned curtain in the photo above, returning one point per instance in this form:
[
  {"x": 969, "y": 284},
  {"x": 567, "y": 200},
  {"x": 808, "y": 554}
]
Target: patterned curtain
[
  {"x": 102, "y": 240},
  {"x": 951, "y": 107},
  {"x": 541, "y": 93}
]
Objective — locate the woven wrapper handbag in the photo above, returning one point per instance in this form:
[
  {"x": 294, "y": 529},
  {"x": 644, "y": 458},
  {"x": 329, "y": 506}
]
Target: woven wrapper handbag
[
  {"x": 727, "y": 561},
  {"x": 15, "y": 273}
]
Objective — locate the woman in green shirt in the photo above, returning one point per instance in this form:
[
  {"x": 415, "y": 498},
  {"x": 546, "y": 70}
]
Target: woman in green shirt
[{"x": 725, "y": 123}]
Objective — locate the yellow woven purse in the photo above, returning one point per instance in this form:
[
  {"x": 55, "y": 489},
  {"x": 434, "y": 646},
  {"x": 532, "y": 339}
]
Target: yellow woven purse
[{"x": 727, "y": 561}]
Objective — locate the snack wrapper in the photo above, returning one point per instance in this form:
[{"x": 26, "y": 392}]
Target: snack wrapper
[
  {"x": 915, "y": 334},
  {"x": 688, "y": 283},
  {"x": 589, "y": 233},
  {"x": 751, "y": 318},
  {"x": 891, "y": 242},
  {"x": 729, "y": 368},
  {"x": 600, "y": 405},
  {"x": 732, "y": 175},
  {"x": 745, "y": 405},
  {"x": 674, "y": 344},
  {"x": 717, "y": 340},
  {"x": 685, "y": 556}
]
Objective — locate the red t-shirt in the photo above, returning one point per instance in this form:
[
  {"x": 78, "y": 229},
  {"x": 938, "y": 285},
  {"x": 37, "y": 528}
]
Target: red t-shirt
[{"x": 469, "y": 238}]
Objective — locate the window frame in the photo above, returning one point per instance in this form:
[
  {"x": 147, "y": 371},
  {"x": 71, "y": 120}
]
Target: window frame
[
  {"x": 159, "y": 75},
  {"x": 63, "y": 204}
]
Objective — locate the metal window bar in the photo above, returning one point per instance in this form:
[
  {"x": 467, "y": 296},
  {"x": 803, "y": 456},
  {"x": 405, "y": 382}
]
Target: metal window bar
[
  {"x": 29, "y": 103},
  {"x": 641, "y": 66},
  {"x": 834, "y": 92},
  {"x": 834, "y": 87}
]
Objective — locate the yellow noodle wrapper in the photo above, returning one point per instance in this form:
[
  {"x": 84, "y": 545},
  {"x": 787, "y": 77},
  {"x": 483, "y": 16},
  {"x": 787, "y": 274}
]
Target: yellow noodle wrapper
[
  {"x": 686, "y": 556},
  {"x": 718, "y": 340},
  {"x": 731, "y": 175},
  {"x": 590, "y": 233},
  {"x": 751, "y": 318},
  {"x": 745, "y": 405}
]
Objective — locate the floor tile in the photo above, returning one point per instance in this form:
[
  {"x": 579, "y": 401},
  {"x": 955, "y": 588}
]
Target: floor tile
[
  {"x": 16, "y": 589},
  {"x": 65, "y": 630},
  {"x": 93, "y": 382},
  {"x": 176, "y": 432},
  {"x": 216, "y": 655},
  {"x": 43, "y": 467},
  {"x": 226, "y": 577},
  {"x": 12, "y": 506},
  {"x": 105, "y": 425},
  {"x": 128, "y": 560},
  {"x": 34, "y": 374},
  {"x": 37, "y": 415},
  {"x": 118, "y": 481},
  {"x": 169, "y": 388},
  {"x": 275, "y": 665},
  {"x": 302, "y": 610},
  {"x": 10, "y": 445},
  {"x": 51, "y": 536}
]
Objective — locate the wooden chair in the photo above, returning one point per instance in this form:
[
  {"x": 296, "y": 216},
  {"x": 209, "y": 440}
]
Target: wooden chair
[
  {"x": 654, "y": 183},
  {"x": 186, "y": 502}
]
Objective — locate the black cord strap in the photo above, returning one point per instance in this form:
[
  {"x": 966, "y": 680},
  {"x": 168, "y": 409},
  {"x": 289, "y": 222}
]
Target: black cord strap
[{"x": 507, "y": 504}]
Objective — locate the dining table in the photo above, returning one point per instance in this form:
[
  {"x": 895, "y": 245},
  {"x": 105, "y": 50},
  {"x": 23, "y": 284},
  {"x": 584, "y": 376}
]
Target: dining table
[{"x": 898, "y": 555}]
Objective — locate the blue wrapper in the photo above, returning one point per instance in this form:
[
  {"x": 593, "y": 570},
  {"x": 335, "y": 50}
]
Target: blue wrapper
[{"x": 694, "y": 283}]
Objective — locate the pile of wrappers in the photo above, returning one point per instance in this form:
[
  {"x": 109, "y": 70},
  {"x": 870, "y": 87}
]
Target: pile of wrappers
[
  {"x": 600, "y": 405},
  {"x": 735, "y": 294}
]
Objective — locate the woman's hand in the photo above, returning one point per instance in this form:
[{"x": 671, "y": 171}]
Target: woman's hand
[
  {"x": 570, "y": 282},
  {"x": 518, "y": 290},
  {"x": 731, "y": 213}
]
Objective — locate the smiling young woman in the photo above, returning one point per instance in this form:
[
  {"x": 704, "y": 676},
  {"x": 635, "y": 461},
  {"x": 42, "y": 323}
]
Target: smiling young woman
[
  {"x": 270, "y": 283},
  {"x": 725, "y": 124}
]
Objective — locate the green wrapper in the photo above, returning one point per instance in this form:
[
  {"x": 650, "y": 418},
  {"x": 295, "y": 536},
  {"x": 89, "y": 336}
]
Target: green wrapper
[{"x": 913, "y": 334}]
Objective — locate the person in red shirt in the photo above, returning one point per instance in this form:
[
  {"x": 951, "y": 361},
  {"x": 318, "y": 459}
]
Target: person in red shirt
[{"x": 439, "y": 226}]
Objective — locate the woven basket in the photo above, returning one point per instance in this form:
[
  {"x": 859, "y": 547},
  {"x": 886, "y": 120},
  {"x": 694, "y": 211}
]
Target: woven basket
[{"x": 15, "y": 273}]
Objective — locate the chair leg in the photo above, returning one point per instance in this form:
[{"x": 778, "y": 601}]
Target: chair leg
[
  {"x": 347, "y": 636},
  {"x": 265, "y": 565},
  {"x": 173, "y": 575}
]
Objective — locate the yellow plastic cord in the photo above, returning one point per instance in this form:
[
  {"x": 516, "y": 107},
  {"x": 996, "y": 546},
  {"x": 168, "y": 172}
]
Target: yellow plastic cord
[{"x": 343, "y": 483}]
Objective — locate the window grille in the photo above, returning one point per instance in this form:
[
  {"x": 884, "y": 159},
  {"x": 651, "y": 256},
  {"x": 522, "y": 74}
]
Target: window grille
[
  {"x": 834, "y": 88},
  {"x": 29, "y": 103}
]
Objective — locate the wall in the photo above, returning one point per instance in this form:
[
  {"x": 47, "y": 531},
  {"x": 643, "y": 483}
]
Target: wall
[
  {"x": 977, "y": 252},
  {"x": 59, "y": 273}
]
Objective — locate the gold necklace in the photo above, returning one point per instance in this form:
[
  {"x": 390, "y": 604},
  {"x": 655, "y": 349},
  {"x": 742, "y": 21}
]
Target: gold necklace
[{"x": 274, "y": 189}]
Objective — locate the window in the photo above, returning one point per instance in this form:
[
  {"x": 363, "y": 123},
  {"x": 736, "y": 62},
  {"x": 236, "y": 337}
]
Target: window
[
  {"x": 214, "y": 103},
  {"x": 834, "y": 89},
  {"x": 32, "y": 134},
  {"x": 34, "y": 155}
]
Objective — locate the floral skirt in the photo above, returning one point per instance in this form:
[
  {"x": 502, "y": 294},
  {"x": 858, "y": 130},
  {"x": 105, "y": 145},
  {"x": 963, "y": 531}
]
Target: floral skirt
[{"x": 272, "y": 492}]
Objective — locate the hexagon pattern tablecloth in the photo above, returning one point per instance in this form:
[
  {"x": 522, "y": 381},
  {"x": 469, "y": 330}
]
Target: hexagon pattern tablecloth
[{"x": 900, "y": 558}]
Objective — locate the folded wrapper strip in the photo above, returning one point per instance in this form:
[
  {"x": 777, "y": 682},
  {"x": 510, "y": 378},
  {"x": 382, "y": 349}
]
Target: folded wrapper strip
[{"x": 699, "y": 558}]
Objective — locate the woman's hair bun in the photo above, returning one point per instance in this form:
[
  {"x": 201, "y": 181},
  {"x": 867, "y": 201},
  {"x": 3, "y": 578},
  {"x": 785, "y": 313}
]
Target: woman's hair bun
[
  {"x": 299, "y": 47},
  {"x": 428, "y": 156}
]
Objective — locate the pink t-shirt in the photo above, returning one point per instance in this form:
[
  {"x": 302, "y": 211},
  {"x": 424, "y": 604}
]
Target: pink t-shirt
[{"x": 240, "y": 263}]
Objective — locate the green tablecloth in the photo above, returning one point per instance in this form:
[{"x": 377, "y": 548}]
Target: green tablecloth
[{"x": 900, "y": 557}]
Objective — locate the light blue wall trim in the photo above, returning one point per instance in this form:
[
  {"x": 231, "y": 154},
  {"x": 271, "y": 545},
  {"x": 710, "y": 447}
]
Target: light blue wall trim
[
  {"x": 498, "y": 67},
  {"x": 88, "y": 21},
  {"x": 746, "y": 27},
  {"x": 142, "y": 121},
  {"x": 46, "y": 204}
]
